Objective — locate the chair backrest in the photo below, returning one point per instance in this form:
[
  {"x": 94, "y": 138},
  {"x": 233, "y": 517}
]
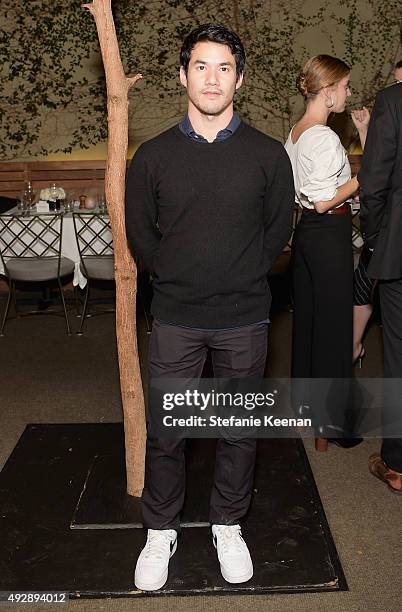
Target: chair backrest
[
  {"x": 94, "y": 235},
  {"x": 37, "y": 236},
  {"x": 7, "y": 203}
]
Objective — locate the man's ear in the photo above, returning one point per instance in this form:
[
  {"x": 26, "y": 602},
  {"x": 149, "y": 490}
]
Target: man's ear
[
  {"x": 183, "y": 77},
  {"x": 239, "y": 82}
]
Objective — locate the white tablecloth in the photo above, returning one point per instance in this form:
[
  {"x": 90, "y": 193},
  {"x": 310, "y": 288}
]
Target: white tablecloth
[{"x": 69, "y": 247}]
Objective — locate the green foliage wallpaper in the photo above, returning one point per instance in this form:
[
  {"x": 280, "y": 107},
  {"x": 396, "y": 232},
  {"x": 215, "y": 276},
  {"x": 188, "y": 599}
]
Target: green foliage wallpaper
[{"x": 52, "y": 87}]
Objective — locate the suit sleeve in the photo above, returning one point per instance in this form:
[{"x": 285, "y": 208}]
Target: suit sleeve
[
  {"x": 278, "y": 209},
  {"x": 141, "y": 209},
  {"x": 377, "y": 167}
]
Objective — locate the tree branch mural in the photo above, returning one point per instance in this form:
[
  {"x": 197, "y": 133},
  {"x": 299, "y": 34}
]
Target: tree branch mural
[
  {"x": 52, "y": 77},
  {"x": 43, "y": 49},
  {"x": 357, "y": 32},
  {"x": 268, "y": 29}
]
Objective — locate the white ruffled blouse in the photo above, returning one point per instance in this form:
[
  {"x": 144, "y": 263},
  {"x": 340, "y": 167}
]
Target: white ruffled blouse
[{"x": 320, "y": 165}]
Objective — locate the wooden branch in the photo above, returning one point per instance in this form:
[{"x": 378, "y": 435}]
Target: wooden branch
[
  {"x": 133, "y": 79},
  {"x": 117, "y": 85}
]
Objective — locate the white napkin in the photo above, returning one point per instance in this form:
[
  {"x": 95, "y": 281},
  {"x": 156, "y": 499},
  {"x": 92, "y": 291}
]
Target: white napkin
[{"x": 79, "y": 279}]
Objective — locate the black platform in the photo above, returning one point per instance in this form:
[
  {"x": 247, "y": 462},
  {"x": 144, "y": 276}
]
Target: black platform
[{"x": 62, "y": 529}]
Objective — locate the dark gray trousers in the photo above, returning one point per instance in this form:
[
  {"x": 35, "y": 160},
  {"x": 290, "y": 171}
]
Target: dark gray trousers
[
  {"x": 391, "y": 312},
  {"x": 179, "y": 352}
]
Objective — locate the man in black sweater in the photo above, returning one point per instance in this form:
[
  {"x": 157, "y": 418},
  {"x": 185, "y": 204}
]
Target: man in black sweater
[{"x": 208, "y": 209}]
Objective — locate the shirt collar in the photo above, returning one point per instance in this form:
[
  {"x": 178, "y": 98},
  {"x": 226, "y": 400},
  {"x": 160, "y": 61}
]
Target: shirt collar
[{"x": 187, "y": 129}]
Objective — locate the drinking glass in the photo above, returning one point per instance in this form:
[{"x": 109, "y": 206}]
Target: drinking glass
[
  {"x": 102, "y": 205},
  {"x": 26, "y": 202},
  {"x": 69, "y": 205}
]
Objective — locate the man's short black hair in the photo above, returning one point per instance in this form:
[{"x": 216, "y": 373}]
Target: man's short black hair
[
  {"x": 398, "y": 64},
  {"x": 218, "y": 33}
]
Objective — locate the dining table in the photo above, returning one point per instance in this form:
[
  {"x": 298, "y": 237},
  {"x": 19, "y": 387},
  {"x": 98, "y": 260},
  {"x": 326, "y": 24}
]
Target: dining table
[{"x": 69, "y": 246}]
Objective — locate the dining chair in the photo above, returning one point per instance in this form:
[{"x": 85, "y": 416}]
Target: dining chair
[
  {"x": 30, "y": 250},
  {"x": 95, "y": 245}
]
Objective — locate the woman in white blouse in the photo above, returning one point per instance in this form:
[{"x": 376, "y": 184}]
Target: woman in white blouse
[{"x": 322, "y": 245}]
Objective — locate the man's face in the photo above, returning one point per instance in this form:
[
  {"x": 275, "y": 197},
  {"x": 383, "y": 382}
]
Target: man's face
[
  {"x": 211, "y": 78},
  {"x": 398, "y": 74}
]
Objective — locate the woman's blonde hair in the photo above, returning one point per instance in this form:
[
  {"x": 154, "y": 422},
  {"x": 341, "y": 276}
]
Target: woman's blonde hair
[{"x": 319, "y": 72}]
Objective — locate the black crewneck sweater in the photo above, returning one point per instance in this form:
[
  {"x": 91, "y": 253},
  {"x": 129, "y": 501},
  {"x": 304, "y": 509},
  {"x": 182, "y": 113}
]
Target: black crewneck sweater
[{"x": 209, "y": 220}]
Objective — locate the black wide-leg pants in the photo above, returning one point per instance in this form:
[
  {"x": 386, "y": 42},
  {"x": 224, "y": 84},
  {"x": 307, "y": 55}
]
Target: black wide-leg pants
[
  {"x": 322, "y": 273},
  {"x": 180, "y": 352}
]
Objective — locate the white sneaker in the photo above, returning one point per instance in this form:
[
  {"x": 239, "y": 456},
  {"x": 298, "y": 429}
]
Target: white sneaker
[
  {"x": 151, "y": 571},
  {"x": 233, "y": 554}
]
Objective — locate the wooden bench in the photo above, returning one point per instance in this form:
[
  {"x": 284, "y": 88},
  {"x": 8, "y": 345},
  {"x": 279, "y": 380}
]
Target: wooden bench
[{"x": 75, "y": 177}]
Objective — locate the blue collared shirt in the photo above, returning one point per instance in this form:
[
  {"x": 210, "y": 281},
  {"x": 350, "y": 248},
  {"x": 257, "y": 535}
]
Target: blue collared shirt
[{"x": 187, "y": 129}]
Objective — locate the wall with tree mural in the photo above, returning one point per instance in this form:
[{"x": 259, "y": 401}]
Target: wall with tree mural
[{"x": 52, "y": 86}]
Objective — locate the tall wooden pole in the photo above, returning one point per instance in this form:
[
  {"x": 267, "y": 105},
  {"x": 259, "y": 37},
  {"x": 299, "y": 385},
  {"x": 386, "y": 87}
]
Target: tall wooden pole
[{"x": 118, "y": 85}]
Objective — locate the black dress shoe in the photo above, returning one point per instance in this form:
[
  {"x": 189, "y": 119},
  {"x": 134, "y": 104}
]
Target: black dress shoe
[{"x": 345, "y": 442}]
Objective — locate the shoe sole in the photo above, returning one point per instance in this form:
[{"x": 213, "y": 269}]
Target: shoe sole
[
  {"x": 237, "y": 579},
  {"x": 154, "y": 586}
]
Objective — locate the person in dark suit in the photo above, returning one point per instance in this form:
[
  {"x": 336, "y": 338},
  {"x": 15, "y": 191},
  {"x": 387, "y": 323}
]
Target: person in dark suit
[{"x": 380, "y": 180}]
